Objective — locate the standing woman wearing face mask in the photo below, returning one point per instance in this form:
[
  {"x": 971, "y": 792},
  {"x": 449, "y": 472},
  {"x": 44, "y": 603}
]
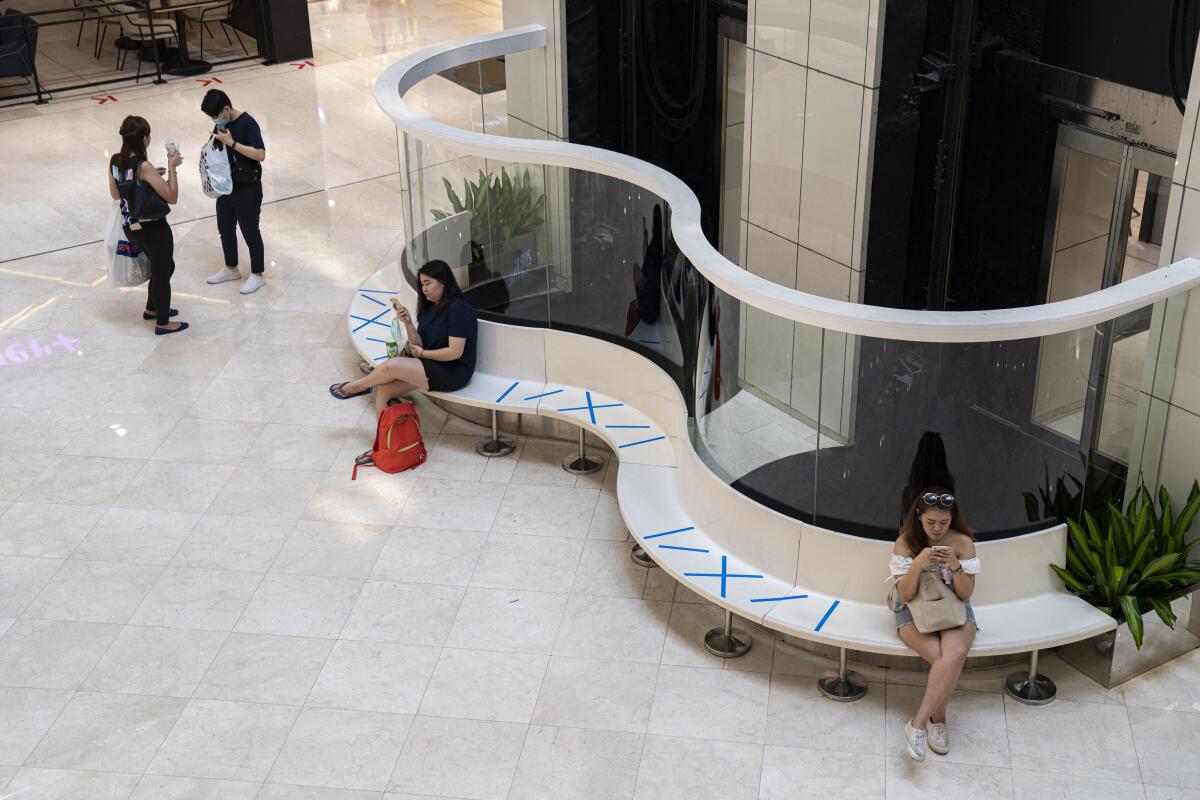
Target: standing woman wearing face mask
[
  {"x": 129, "y": 171},
  {"x": 241, "y": 136}
]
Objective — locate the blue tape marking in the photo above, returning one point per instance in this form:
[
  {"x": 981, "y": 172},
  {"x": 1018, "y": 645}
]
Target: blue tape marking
[
  {"x": 380, "y": 358},
  {"x": 377, "y": 291},
  {"x": 649, "y": 341},
  {"x": 591, "y": 408},
  {"x": 725, "y": 575},
  {"x": 773, "y": 599},
  {"x": 500, "y": 399},
  {"x": 543, "y": 394},
  {"x": 688, "y": 549},
  {"x": 827, "y": 613},
  {"x": 381, "y": 341},
  {"x": 584, "y": 408},
  {"x": 374, "y": 319},
  {"x": 627, "y": 426},
  {"x": 375, "y": 300},
  {"x": 668, "y": 533},
  {"x": 643, "y": 441}
]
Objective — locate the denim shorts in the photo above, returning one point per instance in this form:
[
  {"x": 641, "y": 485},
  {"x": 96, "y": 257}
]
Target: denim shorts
[{"x": 904, "y": 617}]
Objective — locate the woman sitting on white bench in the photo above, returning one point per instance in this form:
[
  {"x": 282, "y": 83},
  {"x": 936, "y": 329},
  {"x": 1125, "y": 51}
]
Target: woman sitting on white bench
[
  {"x": 442, "y": 344},
  {"x": 935, "y": 540}
]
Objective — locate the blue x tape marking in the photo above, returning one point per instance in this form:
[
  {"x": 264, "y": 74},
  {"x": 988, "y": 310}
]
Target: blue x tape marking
[
  {"x": 643, "y": 441},
  {"x": 725, "y": 575},
  {"x": 773, "y": 599},
  {"x": 374, "y": 300},
  {"x": 543, "y": 394},
  {"x": 669, "y": 533},
  {"x": 500, "y": 399},
  {"x": 687, "y": 549},
  {"x": 591, "y": 407},
  {"x": 374, "y": 319},
  {"x": 821, "y": 624}
]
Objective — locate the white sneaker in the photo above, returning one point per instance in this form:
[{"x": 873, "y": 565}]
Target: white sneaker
[
  {"x": 939, "y": 738},
  {"x": 916, "y": 741},
  {"x": 252, "y": 284},
  {"x": 226, "y": 274}
]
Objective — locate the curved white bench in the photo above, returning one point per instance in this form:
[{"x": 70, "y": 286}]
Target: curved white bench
[{"x": 788, "y": 576}]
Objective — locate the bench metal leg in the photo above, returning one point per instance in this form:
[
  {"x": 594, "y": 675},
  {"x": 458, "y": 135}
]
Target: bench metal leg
[
  {"x": 845, "y": 687},
  {"x": 495, "y": 447},
  {"x": 641, "y": 557},
  {"x": 1029, "y": 687},
  {"x": 727, "y": 642},
  {"x": 580, "y": 464}
]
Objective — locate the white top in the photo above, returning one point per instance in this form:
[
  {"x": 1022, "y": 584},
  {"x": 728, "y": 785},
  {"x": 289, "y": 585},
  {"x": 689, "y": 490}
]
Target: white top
[{"x": 900, "y": 565}]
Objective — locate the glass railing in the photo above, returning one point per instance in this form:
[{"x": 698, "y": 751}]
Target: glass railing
[{"x": 829, "y": 427}]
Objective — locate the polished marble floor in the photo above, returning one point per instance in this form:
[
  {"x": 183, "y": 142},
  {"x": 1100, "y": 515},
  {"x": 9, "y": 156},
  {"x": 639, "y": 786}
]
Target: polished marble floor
[{"x": 196, "y": 603}]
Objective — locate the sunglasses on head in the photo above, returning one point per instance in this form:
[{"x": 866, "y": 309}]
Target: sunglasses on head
[{"x": 934, "y": 499}]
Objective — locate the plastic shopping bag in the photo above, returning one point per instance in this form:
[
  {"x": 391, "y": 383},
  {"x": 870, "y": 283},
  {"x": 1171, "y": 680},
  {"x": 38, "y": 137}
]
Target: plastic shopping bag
[
  {"x": 128, "y": 265},
  {"x": 216, "y": 178}
]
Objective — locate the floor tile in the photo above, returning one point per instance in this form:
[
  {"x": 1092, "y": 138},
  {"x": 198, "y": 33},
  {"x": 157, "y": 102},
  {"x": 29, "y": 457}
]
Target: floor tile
[
  {"x": 275, "y": 363},
  {"x": 45, "y": 530},
  {"x": 595, "y": 693},
  {"x": 607, "y": 522},
  {"x": 57, "y": 784},
  {"x": 606, "y": 569},
  {"x": 248, "y": 544},
  {"x": 908, "y": 780},
  {"x": 261, "y": 492},
  {"x": 685, "y": 641},
  {"x": 420, "y": 555},
  {"x": 27, "y": 715},
  {"x": 116, "y": 435},
  {"x": 332, "y": 550},
  {"x": 577, "y": 764},
  {"x": 109, "y": 732},
  {"x": 255, "y": 668},
  {"x": 282, "y": 791},
  {"x": 616, "y": 628},
  {"x": 164, "y": 486},
  {"x": 374, "y": 676},
  {"x": 546, "y": 511},
  {"x": 1087, "y": 739},
  {"x": 705, "y": 703},
  {"x": 527, "y": 562},
  {"x": 1175, "y": 685},
  {"x": 798, "y": 716},
  {"x": 81, "y": 481},
  {"x": 452, "y": 505},
  {"x": 374, "y": 498},
  {"x": 341, "y": 749},
  {"x": 300, "y": 605},
  {"x": 507, "y": 620},
  {"x": 976, "y": 720},
  {"x": 48, "y": 654},
  {"x": 189, "y": 597},
  {"x": 1165, "y": 741},
  {"x": 476, "y": 684},
  {"x": 94, "y": 591},
  {"x": 1054, "y": 786},
  {"x": 225, "y": 741},
  {"x": 404, "y": 613},
  {"x": 454, "y": 457},
  {"x": 168, "y": 662},
  {"x": 136, "y": 536},
  {"x": 237, "y": 400},
  {"x": 464, "y": 758},
  {"x": 696, "y": 769},
  {"x": 21, "y": 579},
  {"x": 791, "y": 773},
  {"x": 208, "y": 441},
  {"x": 157, "y": 787},
  {"x": 295, "y": 447}
]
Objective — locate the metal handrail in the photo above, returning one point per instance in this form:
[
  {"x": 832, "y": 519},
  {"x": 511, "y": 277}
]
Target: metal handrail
[{"x": 839, "y": 315}]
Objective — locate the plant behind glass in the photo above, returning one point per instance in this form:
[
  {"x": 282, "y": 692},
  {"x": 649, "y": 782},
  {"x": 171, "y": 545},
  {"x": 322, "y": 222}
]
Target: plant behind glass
[
  {"x": 1138, "y": 561},
  {"x": 502, "y": 208}
]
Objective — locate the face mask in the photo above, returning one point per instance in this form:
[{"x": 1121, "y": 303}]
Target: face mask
[{"x": 220, "y": 123}]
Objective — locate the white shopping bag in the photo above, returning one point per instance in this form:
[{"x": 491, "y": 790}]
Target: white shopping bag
[
  {"x": 216, "y": 178},
  {"x": 127, "y": 264}
]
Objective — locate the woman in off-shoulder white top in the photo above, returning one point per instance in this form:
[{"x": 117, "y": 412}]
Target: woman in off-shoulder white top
[{"x": 935, "y": 538}]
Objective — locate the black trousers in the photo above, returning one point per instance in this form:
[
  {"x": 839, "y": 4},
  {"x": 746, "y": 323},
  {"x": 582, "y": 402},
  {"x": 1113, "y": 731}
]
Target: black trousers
[
  {"x": 156, "y": 239},
  {"x": 241, "y": 209}
]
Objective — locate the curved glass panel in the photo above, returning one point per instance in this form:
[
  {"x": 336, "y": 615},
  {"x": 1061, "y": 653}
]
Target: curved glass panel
[{"x": 830, "y": 428}]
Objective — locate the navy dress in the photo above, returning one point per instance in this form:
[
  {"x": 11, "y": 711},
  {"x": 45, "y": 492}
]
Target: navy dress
[{"x": 455, "y": 318}]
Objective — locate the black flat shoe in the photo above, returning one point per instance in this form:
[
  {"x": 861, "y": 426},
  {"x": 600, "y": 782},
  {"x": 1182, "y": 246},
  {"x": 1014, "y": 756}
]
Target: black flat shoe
[
  {"x": 147, "y": 315},
  {"x": 183, "y": 326},
  {"x": 338, "y": 391}
]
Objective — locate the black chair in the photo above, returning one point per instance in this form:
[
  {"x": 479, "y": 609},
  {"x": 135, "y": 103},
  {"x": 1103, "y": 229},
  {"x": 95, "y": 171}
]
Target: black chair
[{"x": 18, "y": 48}]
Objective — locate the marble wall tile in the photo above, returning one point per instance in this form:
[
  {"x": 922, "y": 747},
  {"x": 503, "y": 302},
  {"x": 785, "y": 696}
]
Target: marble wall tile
[
  {"x": 780, "y": 28},
  {"x": 833, "y": 114},
  {"x": 838, "y": 38},
  {"x": 777, "y": 131}
]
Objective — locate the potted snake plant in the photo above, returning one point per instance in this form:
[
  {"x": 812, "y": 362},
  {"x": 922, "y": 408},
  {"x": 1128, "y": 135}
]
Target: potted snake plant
[{"x": 1135, "y": 564}]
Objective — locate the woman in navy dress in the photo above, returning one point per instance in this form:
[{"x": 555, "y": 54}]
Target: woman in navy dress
[{"x": 442, "y": 343}]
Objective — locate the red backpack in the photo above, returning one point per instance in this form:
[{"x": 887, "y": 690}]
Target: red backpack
[{"x": 398, "y": 443}]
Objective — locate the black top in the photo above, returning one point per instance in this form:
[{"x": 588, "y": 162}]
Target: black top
[
  {"x": 245, "y": 131},
  {"x": 456, "y": 318}
]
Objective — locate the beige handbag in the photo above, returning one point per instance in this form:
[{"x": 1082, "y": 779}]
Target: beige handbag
[{"x": 936, "y": 607}]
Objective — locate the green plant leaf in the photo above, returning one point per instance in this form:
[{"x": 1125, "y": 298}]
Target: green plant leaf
[
  {"x": 1160, "y": 564},
  {"x": 1163, "y": 609},
  {"x": 455, "y": 202},
  {"x": 439, "y": 215},
  {"x": 1071, "y": 581},
  {"x": 1133, "y": 618}
]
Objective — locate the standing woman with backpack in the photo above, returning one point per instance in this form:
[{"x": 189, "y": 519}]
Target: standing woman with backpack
[
  {"x": 241, "y": 208},
  {"x": 147, "y": 194}
]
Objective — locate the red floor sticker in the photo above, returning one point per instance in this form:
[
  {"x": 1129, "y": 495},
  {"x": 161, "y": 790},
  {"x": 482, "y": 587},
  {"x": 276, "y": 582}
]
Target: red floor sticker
[{"x": 105, "y": 99}]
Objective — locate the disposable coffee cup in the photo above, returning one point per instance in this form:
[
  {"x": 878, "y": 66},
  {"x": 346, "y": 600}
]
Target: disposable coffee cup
[{"x": 172, "y": 148}]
